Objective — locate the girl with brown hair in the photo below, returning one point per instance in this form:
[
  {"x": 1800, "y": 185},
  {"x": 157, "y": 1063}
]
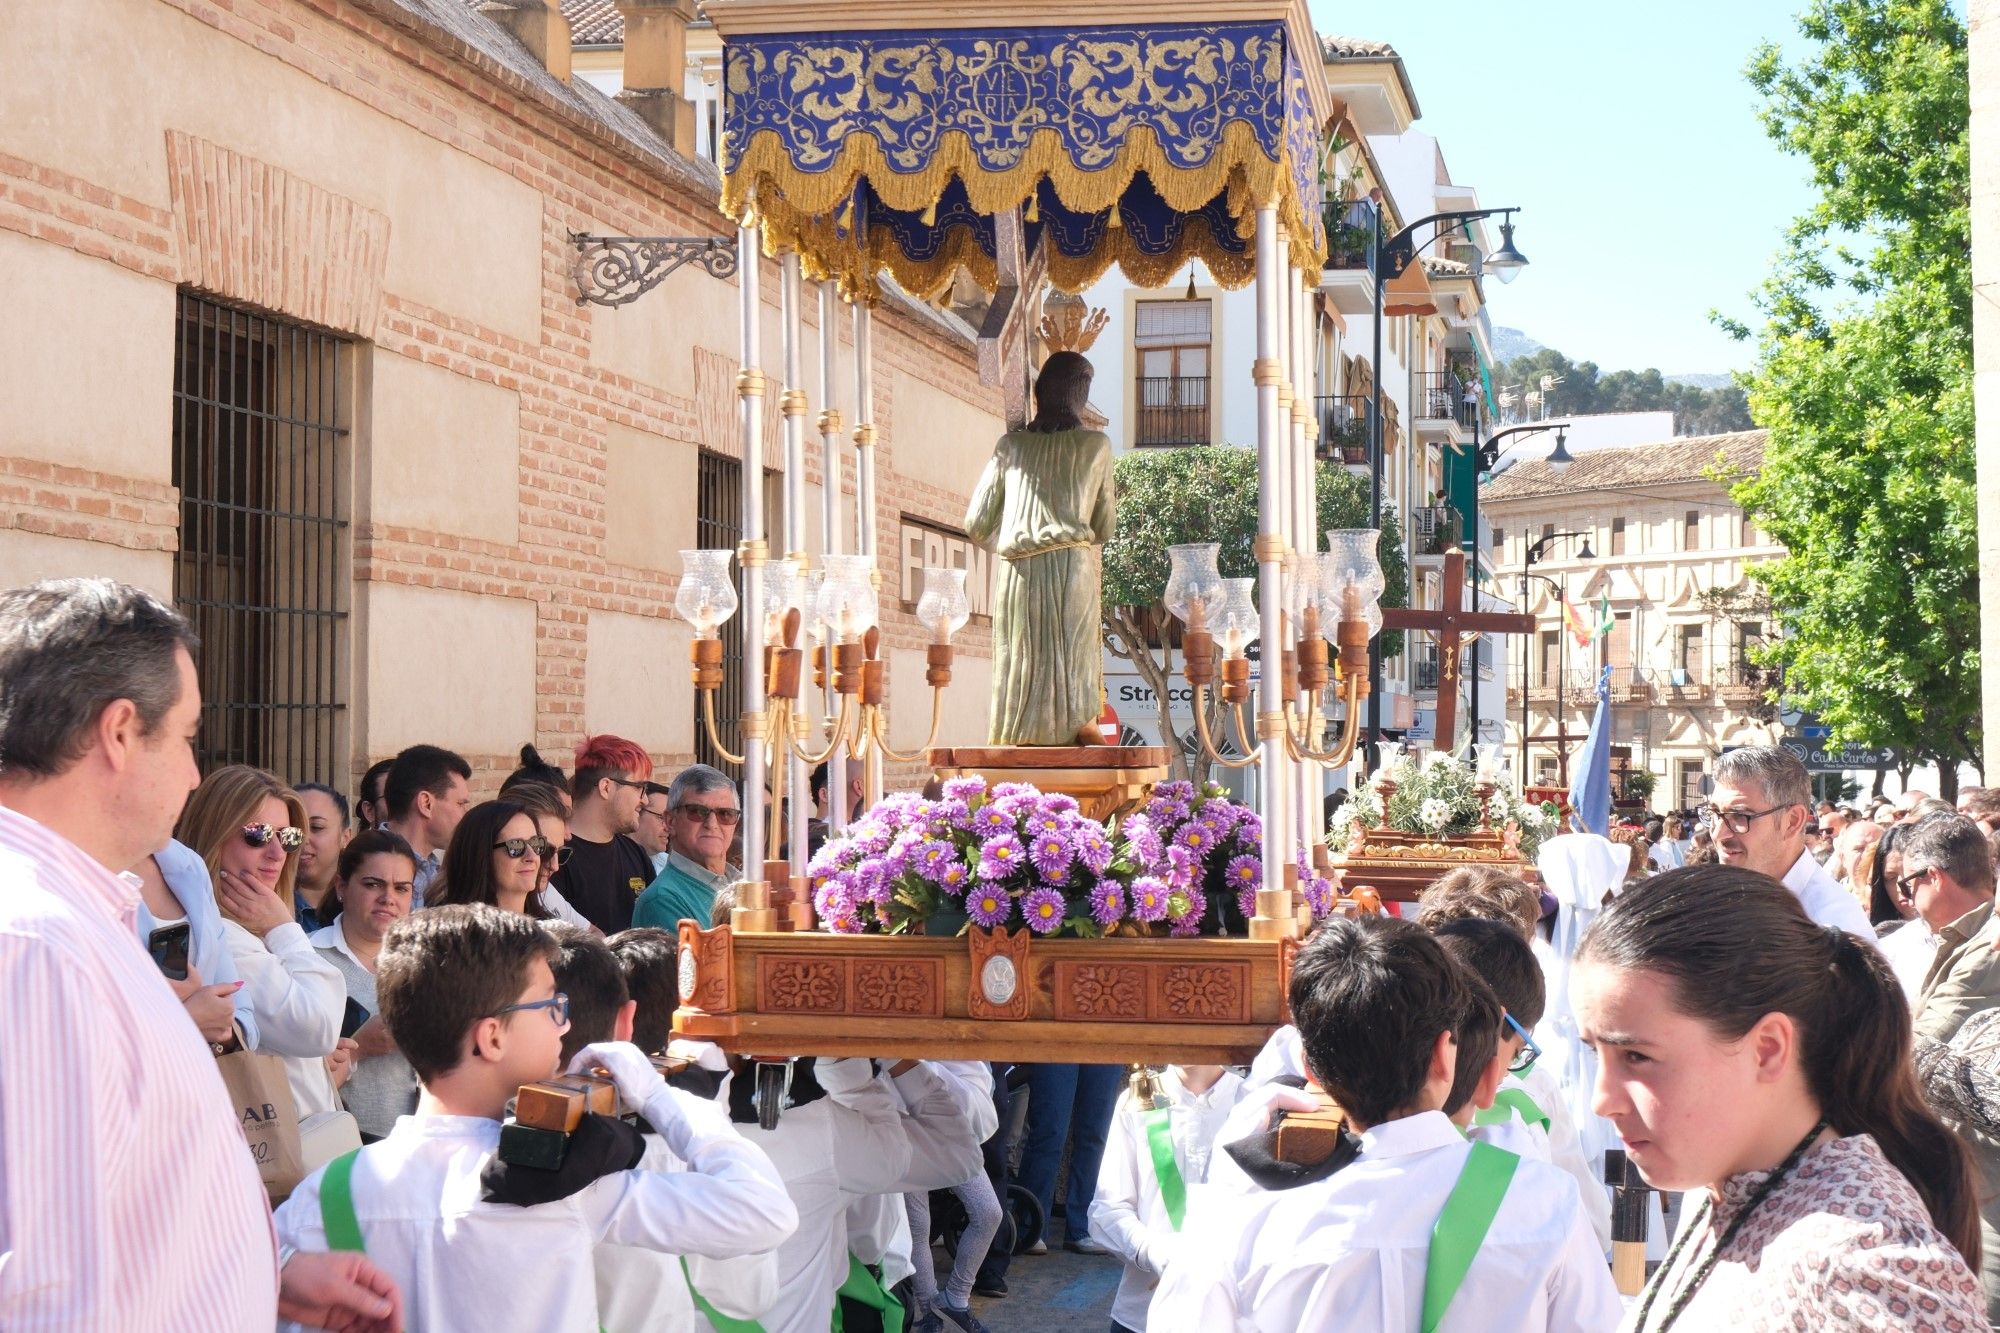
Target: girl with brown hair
[{"x": 1762, "y": 1062}]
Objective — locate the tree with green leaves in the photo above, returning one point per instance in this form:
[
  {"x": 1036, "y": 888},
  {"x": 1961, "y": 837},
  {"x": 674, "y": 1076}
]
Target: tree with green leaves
[
  {"x": 1584, "y": 388},
  {"x": 1170, "y": 497},
  {"x": 1864, "y": 379}
]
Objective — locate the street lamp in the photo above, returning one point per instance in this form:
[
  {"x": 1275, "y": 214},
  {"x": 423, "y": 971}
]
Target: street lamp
[
  {"x": 1389, "y": 257},
  {"x": 1533, "y": 553}
]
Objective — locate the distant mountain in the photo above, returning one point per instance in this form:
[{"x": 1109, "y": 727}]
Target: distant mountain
[
  {"x": 1705, "y": 381},
  {"x": 1511, "y": 343}
]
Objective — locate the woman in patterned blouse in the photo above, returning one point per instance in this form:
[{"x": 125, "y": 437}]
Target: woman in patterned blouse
[{"x": 1762, "y": 1063}]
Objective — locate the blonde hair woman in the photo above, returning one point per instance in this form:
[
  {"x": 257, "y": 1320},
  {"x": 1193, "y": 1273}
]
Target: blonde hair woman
[{"x": 248, "y": 826}]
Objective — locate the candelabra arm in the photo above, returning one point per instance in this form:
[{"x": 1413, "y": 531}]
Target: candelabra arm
[
  {"x": 714, "y": 735},
  {"x": 838, "y": 736},
  {"x": 1215, "y": 755},
  {"x": 1301, "y": 748},
  {"x": 879, "y": 727}
]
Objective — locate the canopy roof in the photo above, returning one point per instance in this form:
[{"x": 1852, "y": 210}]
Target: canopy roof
[{"x": 1145, "y": 138}]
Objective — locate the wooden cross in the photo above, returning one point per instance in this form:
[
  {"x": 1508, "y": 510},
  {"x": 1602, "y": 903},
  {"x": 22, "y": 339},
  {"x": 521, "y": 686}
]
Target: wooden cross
[{"x": 1445, "y": 625}]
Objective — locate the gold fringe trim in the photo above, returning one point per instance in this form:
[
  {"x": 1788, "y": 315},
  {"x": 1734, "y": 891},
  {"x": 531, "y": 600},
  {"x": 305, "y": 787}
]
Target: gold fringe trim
[{"x": 765, "y": 174}]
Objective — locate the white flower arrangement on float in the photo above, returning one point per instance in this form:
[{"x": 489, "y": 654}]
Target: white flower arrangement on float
[{"x": 1439, "y": 797}]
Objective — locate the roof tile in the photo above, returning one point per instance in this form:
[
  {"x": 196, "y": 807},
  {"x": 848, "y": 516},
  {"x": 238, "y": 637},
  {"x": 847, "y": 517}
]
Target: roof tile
[{"x": 1682, "y": 460}]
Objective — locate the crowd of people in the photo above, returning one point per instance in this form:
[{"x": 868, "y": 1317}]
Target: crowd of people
[{"x": 228, "y": 990}]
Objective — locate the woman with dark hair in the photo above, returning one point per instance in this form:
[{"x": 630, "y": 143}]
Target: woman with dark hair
[
  {"x": 1762, "y": 1062},
  {"x": 495, "y": 857},
  {"x": 534, "y": 768},
  {"x": 1884, "y": 902},
  {"x": 375, "y": 887}
]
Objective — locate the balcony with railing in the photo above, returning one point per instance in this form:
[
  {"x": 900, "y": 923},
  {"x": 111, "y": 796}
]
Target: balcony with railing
[
  {"x": 1443, "y": 406},
  {"x": 1172, "y": 410},
  {"x": 1435, "y": 530},
  {"x": 1744, "y": 682},
  {"x": 1349, "y": 278},
  {"x": 1343, "y": 427},
  {"x": 1427, "y": 668}
]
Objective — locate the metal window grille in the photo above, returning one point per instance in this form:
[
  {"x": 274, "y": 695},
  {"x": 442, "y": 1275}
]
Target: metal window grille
[
  {"x": 260, "y": 460},
  {"x": 718, "y": 525}
]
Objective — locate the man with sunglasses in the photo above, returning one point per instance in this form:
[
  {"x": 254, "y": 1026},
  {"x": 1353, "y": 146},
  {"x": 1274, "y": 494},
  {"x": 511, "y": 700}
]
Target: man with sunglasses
[
  {"x": 607, "y": 870},
  {"x": 1757, "y": 815},
  {"x": 702, "y": 815}
]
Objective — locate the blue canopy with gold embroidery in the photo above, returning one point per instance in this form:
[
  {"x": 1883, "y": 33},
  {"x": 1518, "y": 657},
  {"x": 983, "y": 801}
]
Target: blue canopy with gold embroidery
[{"x": 1141, "y": 144}]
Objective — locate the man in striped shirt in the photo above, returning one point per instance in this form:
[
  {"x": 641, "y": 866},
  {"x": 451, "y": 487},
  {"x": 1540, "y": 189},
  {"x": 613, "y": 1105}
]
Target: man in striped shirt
[{"x": 128, "y": 1200}]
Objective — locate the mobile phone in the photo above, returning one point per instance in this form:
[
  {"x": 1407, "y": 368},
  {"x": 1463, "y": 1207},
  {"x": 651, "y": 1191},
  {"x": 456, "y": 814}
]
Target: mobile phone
[
  {"x": 169, "y": 947},
  {"x": 351, "y": 1021}
]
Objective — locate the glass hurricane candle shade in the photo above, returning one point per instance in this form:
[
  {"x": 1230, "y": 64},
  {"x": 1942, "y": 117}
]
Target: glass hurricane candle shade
[
  {"x": 943, "y": 605},
  {"x": 1236, "y": 626},
  {"x": 782, "y": 593},
  {"x": 707, "y": 595},
  {"x": 1351, "y": 579},
  {"x": 1194, "y": 586},
  {"x": 847, "y": 601}
]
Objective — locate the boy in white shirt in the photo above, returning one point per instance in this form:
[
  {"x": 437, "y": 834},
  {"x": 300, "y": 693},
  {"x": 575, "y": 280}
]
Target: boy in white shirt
[
  {"x": 1156, "y": 1157},
  {"x": 469, "y": 996},
  {"x": 1377, "y": 1003}
]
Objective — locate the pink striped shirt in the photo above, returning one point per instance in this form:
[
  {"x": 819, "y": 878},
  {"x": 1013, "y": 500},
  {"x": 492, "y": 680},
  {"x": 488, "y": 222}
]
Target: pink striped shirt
[{"x": 128, "y": 1200}]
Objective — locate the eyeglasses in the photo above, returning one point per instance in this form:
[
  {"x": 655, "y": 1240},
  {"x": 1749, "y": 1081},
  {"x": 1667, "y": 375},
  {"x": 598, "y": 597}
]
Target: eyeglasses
[
  {"x": 516, "y": 848},
  {"x": 1739, "y": 821},
  {"x": 557, "y": 1005},
  {"x": 657, "y": 814},
  {"x": 626, "y": 782},
  {"x": 701, "y": 814},
  {"x": 1904, "y": 882},
  {"x": 259, "y": 835},
  {"x": 1525, "y": 1058},
  {"x": 555, "y": 858}
]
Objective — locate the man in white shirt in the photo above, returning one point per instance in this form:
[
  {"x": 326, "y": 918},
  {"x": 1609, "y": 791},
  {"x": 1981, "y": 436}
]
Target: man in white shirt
[
  {"x": 1377, "y": 1003},
  {"x": 1757, "y": 813}
]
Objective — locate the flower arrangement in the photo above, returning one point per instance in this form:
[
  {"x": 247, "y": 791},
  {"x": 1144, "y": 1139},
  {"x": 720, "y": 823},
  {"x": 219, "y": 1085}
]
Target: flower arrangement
[
  {"x": 1439, "y": 798},
  {"x": 1011, "y": 855}
]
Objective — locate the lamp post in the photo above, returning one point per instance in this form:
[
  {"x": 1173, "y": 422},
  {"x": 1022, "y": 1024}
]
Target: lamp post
[
  {"x": 1387, "y": 259},
  {"x": 1531, "y": 555},
  {"x": 1486, "y": 455}
]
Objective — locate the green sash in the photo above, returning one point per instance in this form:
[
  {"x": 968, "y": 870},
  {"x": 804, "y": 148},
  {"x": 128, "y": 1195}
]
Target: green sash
[
  {"x": 336, "y": 1205},
  {"x": 1462, "y": 1226},
  {"x": 1173, "y": 1189},
  {"x": 863, "y": 1286},
  {"x": 1508, "y": 1103},
  {"x": 717, "y": 1320}
]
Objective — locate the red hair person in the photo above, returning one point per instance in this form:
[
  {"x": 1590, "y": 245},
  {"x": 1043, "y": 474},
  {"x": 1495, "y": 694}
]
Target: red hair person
[{"x": 607, "y": 870}]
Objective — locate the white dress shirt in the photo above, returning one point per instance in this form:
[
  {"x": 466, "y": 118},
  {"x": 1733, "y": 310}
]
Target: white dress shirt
[
  {"x": 948, "y": 1112},
  {"x": 1350, "y": 1252},
  {"x": 1566, "y": 1150},
  {"x": 1128, "y": 1214},
  {"x": 465, "y": 1264},
  {"x": 1826, "y": 899},
  {"x": 1910, "y": 949},
  {"x": 1284, "y": 1053},
  {"x": 298, "y": 998}
]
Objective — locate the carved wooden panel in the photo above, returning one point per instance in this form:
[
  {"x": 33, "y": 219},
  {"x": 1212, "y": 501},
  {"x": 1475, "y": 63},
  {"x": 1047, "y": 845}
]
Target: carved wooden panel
[
  {"x": 1101, "y": 992},
  {"x": 1199, "y": 992},
  {"x": 906, "y": 989},
  {"x": 1000, "y": 975},
  {"x": 790, "y": 984},
  {"x": 709, "y": 956}
]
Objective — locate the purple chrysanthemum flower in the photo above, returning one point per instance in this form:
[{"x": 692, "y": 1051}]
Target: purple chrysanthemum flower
[
  {"x": 964, "y": 789},
  {"x": 1144, "y": 840},
  {"x": 1149, "y": 898},
  {"x": 1107, "y": 903},
  {"x": 989, "y": 906},
  {"x": 1004, "y": 789},
  {"x": 1319, "y": 896},
  {"x": 1094, "y": 851},
  {"x": 950, "y": 813},
  {"x": 1195, "y": 838},
  {"x": 954, "y": 877},
  {"x": 929, "y": 859},
  {"x": 1052, "y": 853},
  {"x": 1245, "y": 872},
  {"x": 872, "y": 882},
  {"x": 1250, "y": 829},
  {"x": 1000, "y": 857},
  {"x": 990, "y": 819},
  {"x": 1246, "y": 900},
  {"x": 1060, "y": 803},
  {"x": 1042, "y": 909},
  {"x": 835, "y": 905},
  {"x": 1175, "y": 791}
]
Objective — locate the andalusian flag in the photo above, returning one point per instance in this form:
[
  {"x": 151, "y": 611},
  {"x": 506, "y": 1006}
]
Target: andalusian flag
[{"x": 1606, "y": 622}]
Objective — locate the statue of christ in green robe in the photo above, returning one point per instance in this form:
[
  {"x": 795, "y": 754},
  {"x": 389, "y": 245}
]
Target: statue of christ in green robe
[{"x": 1046, "y": 505}]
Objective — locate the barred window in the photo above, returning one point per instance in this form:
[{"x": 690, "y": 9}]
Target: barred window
[{"x": 260, "y": 459}]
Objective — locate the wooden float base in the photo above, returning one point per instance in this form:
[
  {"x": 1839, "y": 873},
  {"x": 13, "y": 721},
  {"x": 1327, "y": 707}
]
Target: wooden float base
[
  {"x": 1106, "y": 780},
  {"x": 982, "y": 996},
  {"x": 1400, "y": 866}
]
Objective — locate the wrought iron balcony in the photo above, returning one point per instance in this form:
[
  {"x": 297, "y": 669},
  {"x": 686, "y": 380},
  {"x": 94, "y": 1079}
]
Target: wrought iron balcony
[
  {"x": 1173, "y": 410},
  {"x": 1443, "y": 396},
  {"x": 1350, "y": 234},
  {"x": 1435, "y": 530},
  {"x": 1343, "y": 427}
]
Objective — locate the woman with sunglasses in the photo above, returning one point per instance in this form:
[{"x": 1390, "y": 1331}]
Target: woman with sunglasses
[
  {"x": 495, "y": 857},
  {"x": 550, "y": 810},
  {"x": 1762, "y": 1063},
  {"x": 248, "y": 826}
]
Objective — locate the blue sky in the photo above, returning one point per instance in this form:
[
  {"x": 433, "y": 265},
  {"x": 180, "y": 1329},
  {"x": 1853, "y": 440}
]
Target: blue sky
[{"x": 1628, "y": 136}]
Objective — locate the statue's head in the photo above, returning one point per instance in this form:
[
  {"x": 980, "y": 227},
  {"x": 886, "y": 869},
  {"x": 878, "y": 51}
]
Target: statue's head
[{"x": 1062, "y": 390}]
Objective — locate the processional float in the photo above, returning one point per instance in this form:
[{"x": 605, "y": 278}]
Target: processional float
[{"x": 1011, "y": 143}]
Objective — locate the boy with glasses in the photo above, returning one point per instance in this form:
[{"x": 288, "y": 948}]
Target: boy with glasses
[
  {"x": 607, "y": 870},
  {"x": 470, "y": 996},
  {"x": 702, "y": 815}
]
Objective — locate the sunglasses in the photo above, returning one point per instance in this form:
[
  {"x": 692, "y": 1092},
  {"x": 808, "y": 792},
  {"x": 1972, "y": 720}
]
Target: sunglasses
[
  {"x": 516, "y": 848},
  {"x": 1904, "y": 882},
  {"x": 1525, "y": 1058},
  {"x": 260, "y": 835},
  {"x": 701, "y": 814}
]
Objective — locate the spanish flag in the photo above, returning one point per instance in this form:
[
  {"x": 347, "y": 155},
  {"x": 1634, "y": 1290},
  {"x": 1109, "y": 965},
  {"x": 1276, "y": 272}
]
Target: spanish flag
[{"x": 1580, "y": 631}]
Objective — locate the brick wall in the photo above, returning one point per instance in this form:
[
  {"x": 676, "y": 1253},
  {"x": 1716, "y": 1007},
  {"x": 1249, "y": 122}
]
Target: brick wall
[{"x": 229, "y": 230}]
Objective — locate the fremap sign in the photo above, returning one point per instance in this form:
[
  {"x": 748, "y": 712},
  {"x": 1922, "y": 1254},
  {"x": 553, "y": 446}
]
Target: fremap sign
[{"x": 922, "y": 545}]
